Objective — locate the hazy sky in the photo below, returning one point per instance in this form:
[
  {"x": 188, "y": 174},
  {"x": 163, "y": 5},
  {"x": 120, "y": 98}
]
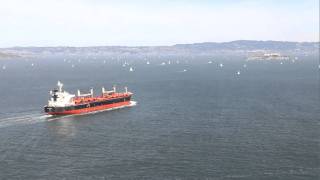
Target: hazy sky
[{"x": 154, "y": 22}]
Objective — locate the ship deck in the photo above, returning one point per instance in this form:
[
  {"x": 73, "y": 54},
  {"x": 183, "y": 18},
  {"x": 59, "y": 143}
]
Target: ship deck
[{"x": 83, "y": 100}]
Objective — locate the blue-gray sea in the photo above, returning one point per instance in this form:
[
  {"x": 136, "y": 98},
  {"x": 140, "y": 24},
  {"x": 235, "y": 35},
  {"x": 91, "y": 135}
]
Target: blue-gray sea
[{"x": 193, "y": 119}]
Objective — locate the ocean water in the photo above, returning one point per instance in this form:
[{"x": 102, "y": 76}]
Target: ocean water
[{"x": 193, "y": 120}]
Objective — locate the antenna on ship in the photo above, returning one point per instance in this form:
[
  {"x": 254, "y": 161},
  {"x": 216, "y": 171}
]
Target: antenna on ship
[{"x": 60, "y": 86}]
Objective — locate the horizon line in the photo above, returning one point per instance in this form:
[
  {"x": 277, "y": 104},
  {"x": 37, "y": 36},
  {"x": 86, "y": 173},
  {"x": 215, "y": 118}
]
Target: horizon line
[{"x": 203, "y": 42}]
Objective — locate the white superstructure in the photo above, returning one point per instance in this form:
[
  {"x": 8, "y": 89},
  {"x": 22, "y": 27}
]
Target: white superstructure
[{"x": 60, "y": 98}]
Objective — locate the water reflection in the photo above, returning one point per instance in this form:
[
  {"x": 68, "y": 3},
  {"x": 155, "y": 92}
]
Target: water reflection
[{"x": 63, "y": 126}]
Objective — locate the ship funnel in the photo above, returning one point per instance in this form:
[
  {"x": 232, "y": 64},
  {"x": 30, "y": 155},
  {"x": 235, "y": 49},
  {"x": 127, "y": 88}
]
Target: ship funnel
[
  {"x": 103, "y": 90},
  {"x": 79, "y": 94},
  {"x": 114, "y": 88},
  {"x": 126, "y": 89}
]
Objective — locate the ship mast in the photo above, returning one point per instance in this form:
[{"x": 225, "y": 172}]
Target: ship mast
[{"x": 59, "y": 84}]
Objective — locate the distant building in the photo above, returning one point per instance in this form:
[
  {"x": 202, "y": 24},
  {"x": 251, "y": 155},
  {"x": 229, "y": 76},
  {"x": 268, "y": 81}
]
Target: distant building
[{"x": 267, "y": 56}]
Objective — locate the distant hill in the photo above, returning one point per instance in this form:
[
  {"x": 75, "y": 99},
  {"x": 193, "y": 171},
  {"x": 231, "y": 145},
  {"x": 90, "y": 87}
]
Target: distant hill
[
  {"x": 7, "y": 55},
  {"x": 251, "y": 45},
  {"x": 206, "y": 48}
]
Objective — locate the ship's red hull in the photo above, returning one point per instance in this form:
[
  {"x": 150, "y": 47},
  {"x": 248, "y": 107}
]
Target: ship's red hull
[{"x": 92, "y": 109}]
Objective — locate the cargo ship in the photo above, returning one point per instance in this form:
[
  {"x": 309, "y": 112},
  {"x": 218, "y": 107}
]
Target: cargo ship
[{"x": 64, "y": 103}]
